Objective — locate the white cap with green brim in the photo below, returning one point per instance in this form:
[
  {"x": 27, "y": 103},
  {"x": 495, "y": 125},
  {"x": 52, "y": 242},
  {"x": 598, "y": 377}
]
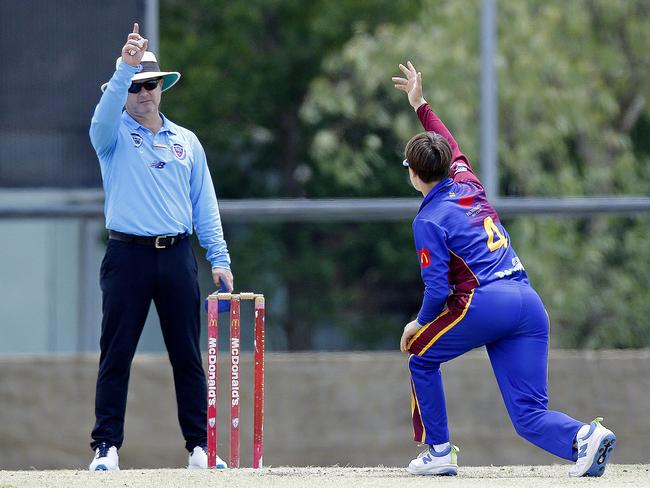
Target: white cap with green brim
[{"x": 150, "y": 70}]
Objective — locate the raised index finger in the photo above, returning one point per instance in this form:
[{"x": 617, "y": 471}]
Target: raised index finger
[
  {"x": 404, "y": 69},
  {"x": 136, "y": 28}
]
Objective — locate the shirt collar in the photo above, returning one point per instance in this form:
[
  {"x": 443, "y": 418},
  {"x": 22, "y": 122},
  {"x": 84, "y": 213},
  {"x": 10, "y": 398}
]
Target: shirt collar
[
  {"x": 167, "y": 126},
  {"x": 133, "y": 124},
  {"x": 436, "y": 190}
]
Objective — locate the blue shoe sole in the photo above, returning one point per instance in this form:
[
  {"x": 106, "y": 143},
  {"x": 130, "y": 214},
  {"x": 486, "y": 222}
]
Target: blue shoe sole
[
  {"x": 606, "y": 447},
  {"x": 101, "y": 467},
  {"x": 447, "y": 473},
  {"x": 444, "y": 472}
]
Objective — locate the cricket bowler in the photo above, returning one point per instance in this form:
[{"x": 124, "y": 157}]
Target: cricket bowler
[{"x": 477, "y": 293}]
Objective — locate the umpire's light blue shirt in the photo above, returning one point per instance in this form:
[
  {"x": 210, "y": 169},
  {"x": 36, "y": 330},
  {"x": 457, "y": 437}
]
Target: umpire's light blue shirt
[{"x": 155, "y": 184}]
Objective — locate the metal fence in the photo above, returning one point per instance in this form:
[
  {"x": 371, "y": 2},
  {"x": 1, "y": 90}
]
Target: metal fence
[{"x": 25, "y": 204}]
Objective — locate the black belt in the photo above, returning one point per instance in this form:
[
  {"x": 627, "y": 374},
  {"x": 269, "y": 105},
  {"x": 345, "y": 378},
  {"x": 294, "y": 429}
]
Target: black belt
[{"x": 159, "y": 242}]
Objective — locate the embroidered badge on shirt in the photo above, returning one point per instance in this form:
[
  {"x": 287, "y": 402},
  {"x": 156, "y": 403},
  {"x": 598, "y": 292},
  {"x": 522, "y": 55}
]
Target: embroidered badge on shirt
[
  {"x": 137, "y": 139},
  {"x": 158, "y": 164},
  {"x": 179, "y": 151},
  {"x": 425, "y": 258}
]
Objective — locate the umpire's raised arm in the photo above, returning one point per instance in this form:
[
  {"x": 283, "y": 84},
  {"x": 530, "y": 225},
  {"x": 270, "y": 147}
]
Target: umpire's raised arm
[{"x": 106, "y": 119}]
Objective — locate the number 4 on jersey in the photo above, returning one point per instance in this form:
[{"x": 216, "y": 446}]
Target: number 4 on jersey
[{"x": 490, "y": 230}]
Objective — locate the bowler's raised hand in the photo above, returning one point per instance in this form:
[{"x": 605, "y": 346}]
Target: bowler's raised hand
[{"x": 411, "y": 85}]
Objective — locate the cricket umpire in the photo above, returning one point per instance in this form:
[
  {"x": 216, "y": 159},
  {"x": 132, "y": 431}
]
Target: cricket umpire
[{"x": 158, "y": 189}]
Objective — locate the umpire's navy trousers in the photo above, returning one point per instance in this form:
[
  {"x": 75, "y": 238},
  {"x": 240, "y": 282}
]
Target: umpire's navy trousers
[{"x": 131, "y": 276}]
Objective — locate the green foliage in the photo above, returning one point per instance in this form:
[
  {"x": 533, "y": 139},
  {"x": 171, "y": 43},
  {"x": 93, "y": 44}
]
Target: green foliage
[
  {"x": 247, "y": 67},
  {"x": 295, "y": 99},
  {"x": 593, "y": 275},
  {"x": 573, "y": 84}
]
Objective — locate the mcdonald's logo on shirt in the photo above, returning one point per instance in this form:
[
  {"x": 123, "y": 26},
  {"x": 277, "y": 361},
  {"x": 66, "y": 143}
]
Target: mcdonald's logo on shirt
[{"x": 425, "y": 258}]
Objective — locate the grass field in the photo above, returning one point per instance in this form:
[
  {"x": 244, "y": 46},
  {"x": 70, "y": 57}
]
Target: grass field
[{"x": 637, "y": 475}]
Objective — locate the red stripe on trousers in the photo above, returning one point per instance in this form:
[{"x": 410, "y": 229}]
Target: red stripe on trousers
[
  {"x": 456, "y": 305},
  {"x": 418, "y": 426}
]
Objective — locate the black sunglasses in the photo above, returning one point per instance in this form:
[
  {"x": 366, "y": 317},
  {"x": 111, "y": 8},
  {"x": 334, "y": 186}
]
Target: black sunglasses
[{"x": 147, "y": 85}]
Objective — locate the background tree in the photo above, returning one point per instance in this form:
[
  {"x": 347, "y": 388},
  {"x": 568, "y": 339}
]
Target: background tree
[
  {"x": 573, "y": 85},
  {"x": 246, "y": 70},
  {"x": 294, "y": 99}
]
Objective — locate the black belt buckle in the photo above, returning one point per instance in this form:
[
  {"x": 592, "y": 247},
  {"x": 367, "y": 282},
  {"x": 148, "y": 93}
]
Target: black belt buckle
[{"x": 157, "y": 244}]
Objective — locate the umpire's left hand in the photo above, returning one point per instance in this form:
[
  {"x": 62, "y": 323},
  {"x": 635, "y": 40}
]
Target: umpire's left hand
[{"x": 223, "y": 279}]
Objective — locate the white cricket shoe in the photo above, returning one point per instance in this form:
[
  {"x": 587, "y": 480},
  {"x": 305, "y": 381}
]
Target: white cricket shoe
[
  {"x": 595, "y": 443},
  {"x": 199, "y": 460},
  {"x": 106, "y": 459},
  {"x": 440, "y": 463}
]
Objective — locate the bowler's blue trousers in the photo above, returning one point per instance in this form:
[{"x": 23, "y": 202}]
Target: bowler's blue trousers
[
  {"x": 509, "y": 319},
  {"x": 131, "y": 276}
]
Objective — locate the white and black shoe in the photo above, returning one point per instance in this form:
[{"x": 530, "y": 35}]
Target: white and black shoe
[
  {"x": 198, "y": 459},
  {"x": 106, "y": 458},
  {"x": 594, "y": 443},
  {"x": 431, "y": 462}
]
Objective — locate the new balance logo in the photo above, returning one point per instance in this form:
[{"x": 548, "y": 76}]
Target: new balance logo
[
  {"x": 583, "y": 451},
  {"x": 427, "y": 459},
  {"x": 158, "y": 164}
]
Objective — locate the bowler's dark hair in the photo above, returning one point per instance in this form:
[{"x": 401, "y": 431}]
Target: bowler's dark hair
[{"x": 429, "y": 156}]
